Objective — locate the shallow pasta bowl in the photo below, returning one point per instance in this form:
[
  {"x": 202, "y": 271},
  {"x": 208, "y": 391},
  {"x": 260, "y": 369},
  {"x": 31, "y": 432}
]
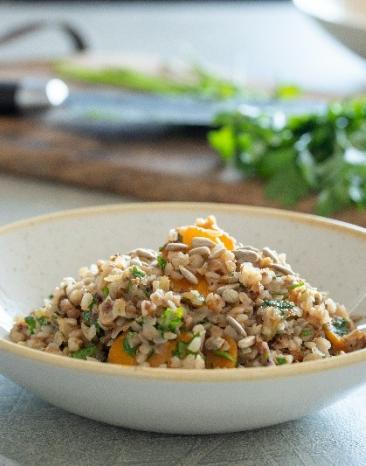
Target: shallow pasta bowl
[{"x": 36, "y": 254}]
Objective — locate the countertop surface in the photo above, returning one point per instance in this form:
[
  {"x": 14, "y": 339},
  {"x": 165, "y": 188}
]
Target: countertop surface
[{"x": 34, "y": 433}]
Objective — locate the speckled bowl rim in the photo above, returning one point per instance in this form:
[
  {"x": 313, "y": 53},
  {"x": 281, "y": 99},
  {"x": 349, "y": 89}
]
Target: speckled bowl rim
[{"x": 188, "y": 375}]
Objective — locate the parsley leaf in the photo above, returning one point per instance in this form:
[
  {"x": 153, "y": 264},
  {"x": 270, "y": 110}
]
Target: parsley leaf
[
  {"x": 281, "y": 360},
  {"x": 88, "y": 351},
  {"x": 105, "y": 292},
  {"x": 181, "y": 350},
  {"x": 31, "y": 324},
  {"x": 320, "y": 153},
  {"x": 161, "y": 262},
  {"x": 171, "y": 319},
  {"x": 340, "y": 326},
  {"x": 136, "y": 272},
  {"x": 280, "y": 304},
  {"x": 224, "y": 354},
  {"x": 94, "y": 301},
  {"x": 296, "y": 285},
  {"x": 130, "y": 350}
]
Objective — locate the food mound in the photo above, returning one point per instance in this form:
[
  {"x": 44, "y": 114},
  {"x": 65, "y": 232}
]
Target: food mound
[{"x": 202, "y": 301}]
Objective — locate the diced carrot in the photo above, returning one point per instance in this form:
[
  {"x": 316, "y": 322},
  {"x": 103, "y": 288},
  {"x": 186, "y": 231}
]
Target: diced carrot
[
  {"x": 118, "y": 355},
  {"x": 184, "y": 285},
  {"x": 338, "y": 342},
  {"x": 164, "y": 355},
  {"x": 217, "y": 236},
  {"x": 223, "y": 359}
]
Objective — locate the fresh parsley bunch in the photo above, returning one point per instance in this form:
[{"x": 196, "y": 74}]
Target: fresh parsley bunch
[{"x": 299, "y": 155}]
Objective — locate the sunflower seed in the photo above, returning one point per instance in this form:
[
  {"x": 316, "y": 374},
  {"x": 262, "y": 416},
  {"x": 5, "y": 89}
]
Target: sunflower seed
[
  {"x": 248, "y": 246},
  {"x": 176, "y": 247},
  {"x": 144, "y": 253},
  {"x": 246, "y": 255},
  {"x": 230, "y": 296},
  {"x": 202, "y": 251},
  {"x": 246, "y": 342},
  {"x": 199, "y": 241},
  {"x": 281, "y": 268},
  {"x": 217, "y": 251},
  {"x": 267, "y": 252},
  {"x": 188, "y": 275},
  {"x": 233, "y": 286},
  {"x": 236, "y": 326}
]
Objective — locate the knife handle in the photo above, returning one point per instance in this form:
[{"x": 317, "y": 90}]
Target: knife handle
[{"x": 8, "y": 103}]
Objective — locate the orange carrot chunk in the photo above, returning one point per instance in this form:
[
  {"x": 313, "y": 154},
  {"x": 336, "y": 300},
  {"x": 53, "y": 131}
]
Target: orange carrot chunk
[
  {"x": 217, "y": 236},
  {"x": 223, "y": 359},
  {"x": 118, "y": 354},
  {"x": 338, "y": 343},
  {"x": 163, "y": 354}
]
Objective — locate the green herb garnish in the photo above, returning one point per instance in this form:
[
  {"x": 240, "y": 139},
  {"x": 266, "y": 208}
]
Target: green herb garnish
[
  {"x": 224, "y": 354},
  {"x": 94, "y": 301},
  {"x": 307, "y": 332},
  {"x": 161, "y": 262},
  {"x": 105, "y": 292},
  {"x": 296, "y": 285},
  {"x": 320, "y": 153},
  {"x": 50, "y": 296},
  {"x": 281, "y": 360},
  {"x": 31, "y": 324},
  {"x": 83, "y": 353},
  {"x": 86, "y": 317},
  {"x": 137, "y": 273},
  {"x": 340, "y": 326},
  {"x": 130, "y": 350},
  {"x": 181, "y": 350},
  {"x": 171, "y": 319},
  {"x": 280, "y": 304},
  {"x": 42, "y": 321}
]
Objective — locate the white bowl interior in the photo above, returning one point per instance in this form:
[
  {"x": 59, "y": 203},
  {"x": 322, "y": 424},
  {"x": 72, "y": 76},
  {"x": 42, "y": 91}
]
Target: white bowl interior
[{"x": 38, "y": 254}]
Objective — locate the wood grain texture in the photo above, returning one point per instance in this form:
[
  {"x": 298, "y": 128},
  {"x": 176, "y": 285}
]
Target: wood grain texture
[{"x": 174, "y": 167}]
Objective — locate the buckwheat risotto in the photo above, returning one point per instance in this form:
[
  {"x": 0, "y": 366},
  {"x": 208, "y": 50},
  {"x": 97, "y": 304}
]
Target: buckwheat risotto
[{"x": 202, "y": 301}]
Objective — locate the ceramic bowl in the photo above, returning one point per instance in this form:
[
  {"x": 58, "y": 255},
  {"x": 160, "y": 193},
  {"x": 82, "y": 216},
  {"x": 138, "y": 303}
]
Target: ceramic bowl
[
  {"x": 36, "y": 254},
  {"x": 344, "y": 19}
]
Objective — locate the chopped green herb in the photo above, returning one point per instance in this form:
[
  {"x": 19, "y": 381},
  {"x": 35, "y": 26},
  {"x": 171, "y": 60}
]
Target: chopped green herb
[
  {"x": 280, "y": 304},
  {"x": 105, "y": 292},
  {"x": 307, "y": 332},
  {"x": 130, "y": 350},
  {"x": 181, "y": 350},
  {"x": 161, "y": 262},
  {"x": 42, "y": 321},
  {"x": 281, "y": 360},
  {"x": 340, "y": 326},
  {"x": 31, "y": 324},
  {"x": 224, "y": 354},
  {"x": 296, "y": 285},
  {"x": 171, "y": 319},
  {"x": 94, "y": 301},
  {"x": 130, "y": 287},
  {"x": 86, "y": 317},
  {"x": 83, "y": 353},
  {"x": 137, "y": 273},
  {"x": 50, "y": 296}
]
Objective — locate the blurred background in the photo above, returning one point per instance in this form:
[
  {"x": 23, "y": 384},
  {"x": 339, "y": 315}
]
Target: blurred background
[{"x": 207, "y": 100}]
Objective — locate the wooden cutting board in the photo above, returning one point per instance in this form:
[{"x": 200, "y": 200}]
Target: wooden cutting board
[{"x": 173, "y": 167}]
